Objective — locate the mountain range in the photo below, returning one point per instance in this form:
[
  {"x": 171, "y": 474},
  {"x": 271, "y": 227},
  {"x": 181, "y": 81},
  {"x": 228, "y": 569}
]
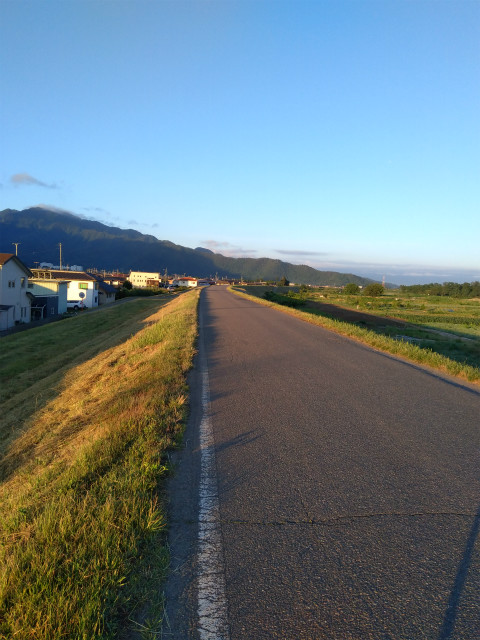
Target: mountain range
[{"x": 38, "y": 232}]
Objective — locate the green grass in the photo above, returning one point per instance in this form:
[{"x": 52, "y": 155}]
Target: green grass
[
  {"x": 443, "y": 334},
  {"x": 83, "y": 451},
  {"x": 447, "y": 326}
]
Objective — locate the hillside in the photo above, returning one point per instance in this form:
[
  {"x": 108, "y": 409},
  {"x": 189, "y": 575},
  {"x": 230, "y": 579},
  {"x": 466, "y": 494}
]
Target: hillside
[{"x": 95, "y": 245}]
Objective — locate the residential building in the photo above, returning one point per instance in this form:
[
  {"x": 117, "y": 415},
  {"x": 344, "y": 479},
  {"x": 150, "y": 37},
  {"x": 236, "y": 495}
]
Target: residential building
[
  {"x": 115, "y": 279},
  {"x": 50, "y": 297},
  {"x": 144, "y": 279},
  {"x": 82, "y": 286},
  {"x": 15, "y": 299},
  {"x": 106, "y": 291},
  {"x": 184, "y": 282}
]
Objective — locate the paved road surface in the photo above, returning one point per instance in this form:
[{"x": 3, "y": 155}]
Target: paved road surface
[{"x": 348, "y": 485}]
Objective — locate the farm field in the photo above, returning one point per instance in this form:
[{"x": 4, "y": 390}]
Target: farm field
[
  {"x": 440, "y": 324},
  {"x": 90, "y": 407},
  {"x": 447, "y": 325}
]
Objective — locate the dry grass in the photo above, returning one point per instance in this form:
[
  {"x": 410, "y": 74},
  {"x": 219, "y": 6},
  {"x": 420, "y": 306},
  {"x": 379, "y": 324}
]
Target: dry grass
[{"x": 83, "y": 454}]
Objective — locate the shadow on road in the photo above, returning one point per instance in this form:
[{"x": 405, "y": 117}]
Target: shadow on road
[
  {"x": 241, "y": 439},
  {"x": 459, "y": 584}
]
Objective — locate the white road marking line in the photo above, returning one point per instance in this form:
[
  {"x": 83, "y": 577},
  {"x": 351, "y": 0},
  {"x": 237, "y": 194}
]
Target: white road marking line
[{"x": 212, "y": 602}]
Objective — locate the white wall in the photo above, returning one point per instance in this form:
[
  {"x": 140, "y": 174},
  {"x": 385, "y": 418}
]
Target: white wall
[
  {"x": 62, "y": 297},
  {"x": 139, "y": 278},
  {"x": 88, "y": 287},
  {"x": 6, "y": 318},
  {"x": 50, "y": 287},
  {"x": 13, "y": 290},
  {"x": 185, "y": 283}
]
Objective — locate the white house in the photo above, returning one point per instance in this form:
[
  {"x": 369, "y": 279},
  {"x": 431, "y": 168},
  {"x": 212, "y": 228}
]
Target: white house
[
  {"x": 145, "y": 279},
  {"x": 184, "y": 282},
  {"x": 82, "y": 287},
  {"x": 14, "y": 295},
  {"x": 50, "y": 297}
]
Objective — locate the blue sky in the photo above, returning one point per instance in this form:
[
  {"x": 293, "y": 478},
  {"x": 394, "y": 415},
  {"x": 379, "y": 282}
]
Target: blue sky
[{"x": 340, "y": 134}]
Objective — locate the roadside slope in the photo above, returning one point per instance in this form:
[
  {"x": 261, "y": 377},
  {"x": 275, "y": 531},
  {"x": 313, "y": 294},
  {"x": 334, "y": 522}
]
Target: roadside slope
[{"x": 84, "y": 439}]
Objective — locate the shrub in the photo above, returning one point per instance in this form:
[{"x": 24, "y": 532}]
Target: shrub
[
  {"x": 375, "y": 289},
  {"x": 351, "y": 288}
]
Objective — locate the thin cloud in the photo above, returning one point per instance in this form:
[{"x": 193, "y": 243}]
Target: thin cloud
[
  {"x": 26, "y": 180},
  {"x": 398, "y": 273},
  {"x": 81, "y": 216},
  {"x": 228, "y": 249},
  {"x": 51, "y": 207},
  {"x": 294, "y": 252}
]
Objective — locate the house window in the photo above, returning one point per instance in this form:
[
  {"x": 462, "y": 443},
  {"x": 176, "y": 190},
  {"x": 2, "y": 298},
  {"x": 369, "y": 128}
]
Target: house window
[
  {"x": 22, "y": 282},
  {"x": 83, "y": 285},
  {"x": 11, "y": 284}
]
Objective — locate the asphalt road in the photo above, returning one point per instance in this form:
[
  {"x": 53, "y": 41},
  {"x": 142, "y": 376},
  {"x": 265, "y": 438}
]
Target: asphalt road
[{"x": 348, "y": 486}]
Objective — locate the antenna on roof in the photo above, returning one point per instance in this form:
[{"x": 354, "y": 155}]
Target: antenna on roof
[
  {"x": 16, "y": 247},
  {"x": 60, "y": 245}
]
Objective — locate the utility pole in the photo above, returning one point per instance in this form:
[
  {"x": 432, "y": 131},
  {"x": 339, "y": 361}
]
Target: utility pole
[
  {"x": 60, "y": 245},
  {"x": 16, "y": 247}
]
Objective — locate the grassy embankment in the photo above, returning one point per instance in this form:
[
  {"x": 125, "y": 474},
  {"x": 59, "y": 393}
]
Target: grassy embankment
[
  {"x": 442, "y": 333},
  {"x": 90, "y": 406}
]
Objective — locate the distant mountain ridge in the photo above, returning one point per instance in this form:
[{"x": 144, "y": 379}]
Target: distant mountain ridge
[{"x": 95, "y": 245}]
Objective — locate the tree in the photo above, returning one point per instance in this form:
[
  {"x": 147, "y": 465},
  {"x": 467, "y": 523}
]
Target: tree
[
  {"x": 127, "y": 285},
  {"x": 475, "y": 293},
  {"x": 351, "y": 288},
  {"x": 283, "y": 282},
  {"x": 375, "y": 289},
  {"x": 436, "y": 289},
  {"x": 466, "y": 290}
]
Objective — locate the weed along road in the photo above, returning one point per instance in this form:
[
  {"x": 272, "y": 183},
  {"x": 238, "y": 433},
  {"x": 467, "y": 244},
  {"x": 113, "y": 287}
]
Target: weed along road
[{"x": 339, "y": 488}]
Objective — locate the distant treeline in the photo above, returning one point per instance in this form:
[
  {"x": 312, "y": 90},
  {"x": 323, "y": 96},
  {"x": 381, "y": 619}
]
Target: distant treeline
[{"x": 452, "y": 289}]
